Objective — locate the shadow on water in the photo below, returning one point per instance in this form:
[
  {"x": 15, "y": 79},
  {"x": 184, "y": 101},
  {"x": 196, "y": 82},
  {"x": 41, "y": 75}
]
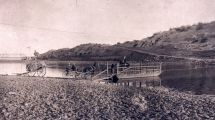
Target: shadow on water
[
  {"x": 140, "y": 82},
  {"x": 181, "y": 77},
  {"x": 198, "y": 81}
]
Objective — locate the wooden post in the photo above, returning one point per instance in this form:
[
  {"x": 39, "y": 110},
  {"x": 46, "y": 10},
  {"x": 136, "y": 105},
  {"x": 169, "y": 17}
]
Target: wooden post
[
  {"x": 107, "y": 69},
  {"x": 160, "y": 67},
  {"x": 140, "y": 67},
  {"x": 117, "y": 68},
  {"x": 153, "y": 70},
  {"x": 135, "y": 84}
]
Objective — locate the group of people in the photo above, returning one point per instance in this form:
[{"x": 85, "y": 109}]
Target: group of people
[
  {"x": 70, "y": 68},
  {"x": 88, "y": 69},
  {"x": 91, "y": 69}
]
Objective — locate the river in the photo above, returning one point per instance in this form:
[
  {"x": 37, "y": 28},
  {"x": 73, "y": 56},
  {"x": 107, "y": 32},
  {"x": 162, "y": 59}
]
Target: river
[{"x": 179, "y": 76}]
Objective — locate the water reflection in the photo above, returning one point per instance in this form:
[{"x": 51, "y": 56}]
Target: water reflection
[
  {"x": 180, "y": 77},
  {"x": 197, "y": 81},
  {"x": 140, "y": 82},
  {"x": 13, "y": 68}
]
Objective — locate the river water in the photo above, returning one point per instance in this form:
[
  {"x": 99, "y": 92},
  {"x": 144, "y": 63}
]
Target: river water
[
  {"x": 179, "y": 76},
  {"x": 13, "y": 68}
]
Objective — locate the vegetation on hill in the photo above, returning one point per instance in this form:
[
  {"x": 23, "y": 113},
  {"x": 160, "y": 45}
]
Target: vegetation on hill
[
  {"x": 87, "y": 52},
  {"x": 186, "y": 41},
  {"x": 196, "y": 41}
]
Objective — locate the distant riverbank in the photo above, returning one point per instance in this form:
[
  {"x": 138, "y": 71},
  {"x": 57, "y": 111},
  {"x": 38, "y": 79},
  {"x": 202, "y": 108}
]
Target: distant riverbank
[{"x": 51, "y": 98}]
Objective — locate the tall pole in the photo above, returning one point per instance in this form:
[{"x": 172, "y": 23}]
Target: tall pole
[
  {"x": 76, "y": 3},
  {"x": 160, "y": 67},
  {"x": 107, "y": 69},
  {"x": 117, "y": 71}
]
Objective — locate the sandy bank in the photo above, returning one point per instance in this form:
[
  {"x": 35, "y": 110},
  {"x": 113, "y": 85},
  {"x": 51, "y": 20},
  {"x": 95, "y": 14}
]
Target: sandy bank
[{"x": 50, "y": 98}]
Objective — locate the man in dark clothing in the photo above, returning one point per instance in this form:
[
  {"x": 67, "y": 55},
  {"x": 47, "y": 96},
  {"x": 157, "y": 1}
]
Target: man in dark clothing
[
  {"x": 112, "y": 68},
  {"x": 73, "y": 68}
]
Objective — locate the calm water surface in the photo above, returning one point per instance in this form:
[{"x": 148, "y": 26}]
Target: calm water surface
[
  {"x": 10, "y": 68},
  {"x": 182, "y": 77}
]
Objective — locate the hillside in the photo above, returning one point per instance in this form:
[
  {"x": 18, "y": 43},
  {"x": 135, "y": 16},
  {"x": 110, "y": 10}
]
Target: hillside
[
  {"x": 187, "y": 41},
  {"x": 89, "y": 51},
  {"x": 196, "y": 41}
]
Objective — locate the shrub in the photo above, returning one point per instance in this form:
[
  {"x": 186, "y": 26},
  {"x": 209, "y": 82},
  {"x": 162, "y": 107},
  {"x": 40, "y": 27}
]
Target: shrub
[
  {"x": 200, "y": 38},
  {"x": 199, "y": 26},
  {"x": 182, "y": 29}
]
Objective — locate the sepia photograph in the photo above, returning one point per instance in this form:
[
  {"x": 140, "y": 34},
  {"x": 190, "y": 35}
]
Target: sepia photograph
[{"x": 107, "y": 59}]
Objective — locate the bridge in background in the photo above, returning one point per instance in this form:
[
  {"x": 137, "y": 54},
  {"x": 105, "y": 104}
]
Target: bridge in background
[{"x": 12, "y": 56}]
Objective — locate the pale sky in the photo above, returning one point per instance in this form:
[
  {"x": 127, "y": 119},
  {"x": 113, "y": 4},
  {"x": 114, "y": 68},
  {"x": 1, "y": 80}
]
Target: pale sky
[{"x": 27, "y": 25}]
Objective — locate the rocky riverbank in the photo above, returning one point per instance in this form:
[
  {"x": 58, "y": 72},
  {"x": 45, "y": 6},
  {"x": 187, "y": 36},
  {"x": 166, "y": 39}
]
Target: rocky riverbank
[{"x": 49, "y": 98}]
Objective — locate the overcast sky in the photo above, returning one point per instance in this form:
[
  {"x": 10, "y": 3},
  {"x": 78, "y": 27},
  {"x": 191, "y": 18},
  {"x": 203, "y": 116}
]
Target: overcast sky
[{"x": 27, "y": 25}]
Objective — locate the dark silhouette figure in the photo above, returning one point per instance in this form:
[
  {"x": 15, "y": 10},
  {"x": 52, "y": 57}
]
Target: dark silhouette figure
[
  {"x": 90, "y": 69},
  {"x": 124, "y": 63},
  {"x": 73, "y": 68},
  {"x": 113, "y": 67},
  {"x": 114, "y": 79},
  {"x": 70, "y": 68}
]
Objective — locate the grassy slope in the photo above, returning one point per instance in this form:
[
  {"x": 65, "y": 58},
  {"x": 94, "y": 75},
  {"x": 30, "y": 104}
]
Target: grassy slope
[
  {"x": 187, "y": 41},
  {"x": 95, "y": 52}
]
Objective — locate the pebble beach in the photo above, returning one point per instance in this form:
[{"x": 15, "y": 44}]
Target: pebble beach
[{"x": 34, "y": 98}]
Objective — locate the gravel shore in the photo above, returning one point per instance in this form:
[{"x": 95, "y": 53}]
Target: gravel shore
[{"x": 29, "y": 98}]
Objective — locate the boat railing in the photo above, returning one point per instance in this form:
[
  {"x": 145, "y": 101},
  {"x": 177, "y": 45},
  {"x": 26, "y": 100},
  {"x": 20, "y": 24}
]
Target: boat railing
[
  {"x": 138, "y": 70},
  {"x": 103, "y": 74},
  {"x": 129, "y": 71}
]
